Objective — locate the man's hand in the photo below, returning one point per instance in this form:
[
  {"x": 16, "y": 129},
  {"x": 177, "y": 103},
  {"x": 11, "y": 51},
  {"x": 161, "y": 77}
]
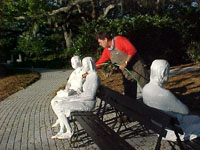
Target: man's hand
[{"x": 123, "y": 66}]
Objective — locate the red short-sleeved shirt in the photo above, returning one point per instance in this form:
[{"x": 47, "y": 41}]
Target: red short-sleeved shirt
[{"x": 121, "y": 43}]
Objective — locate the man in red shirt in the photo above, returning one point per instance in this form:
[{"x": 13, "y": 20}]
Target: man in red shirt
[{"x": 120, "y": 51}]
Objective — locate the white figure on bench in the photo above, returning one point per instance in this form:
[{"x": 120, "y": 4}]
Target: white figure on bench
[
  {"x": 74, "y": 84},
  {"x": 154, "y": 95},
  {"x": 80, "y": 102},
  {"x": 75, "y": 81}
]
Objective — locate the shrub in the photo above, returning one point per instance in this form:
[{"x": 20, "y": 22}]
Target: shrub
[
  {"x": 32, "y": 47},
  {"x": 153, "y": 36},
  {"x": 193, "y": 51}
]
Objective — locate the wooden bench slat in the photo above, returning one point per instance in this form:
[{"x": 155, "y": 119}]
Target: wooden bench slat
[
  {"x": 197, "y": 140},
  {"x": 194, "y": 144},
  {"x": 102, "y": 135}
]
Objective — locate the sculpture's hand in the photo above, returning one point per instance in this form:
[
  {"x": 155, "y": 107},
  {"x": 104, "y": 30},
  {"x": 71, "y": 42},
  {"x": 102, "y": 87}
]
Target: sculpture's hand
[
  {"x": 84, "y": 75},
  {"x": 62, "y": 93},
  {"x": 79, "y": 91}
]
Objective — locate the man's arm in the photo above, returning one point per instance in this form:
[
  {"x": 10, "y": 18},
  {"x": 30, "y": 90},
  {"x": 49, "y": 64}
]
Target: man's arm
[
  {"x": 123, "y": 65},
  {"x": 104, "y": 58}
]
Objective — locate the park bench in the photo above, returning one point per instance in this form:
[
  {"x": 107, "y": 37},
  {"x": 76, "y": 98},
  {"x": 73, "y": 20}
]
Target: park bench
[
  {"x": 101, "y": 134},
  {"x": 151, "y": 118}
]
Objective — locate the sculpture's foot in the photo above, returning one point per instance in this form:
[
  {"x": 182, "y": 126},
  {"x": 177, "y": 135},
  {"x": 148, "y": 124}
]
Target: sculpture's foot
[
  {"x": 66, "y": 135},
  {"x": 55, "y": 124},
  {"x": 58, "y": 134},
  {"x": 54, "y": 137}
]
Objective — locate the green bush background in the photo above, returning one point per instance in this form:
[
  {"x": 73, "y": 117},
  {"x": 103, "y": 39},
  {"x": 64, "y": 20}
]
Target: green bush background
[
  {"x": 154, "y": 37},
  {"x": 173, "y": 36}
]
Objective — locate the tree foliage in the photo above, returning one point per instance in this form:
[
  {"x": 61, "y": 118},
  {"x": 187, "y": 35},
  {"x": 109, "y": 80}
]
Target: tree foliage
[{"x": 58, "y": 29}]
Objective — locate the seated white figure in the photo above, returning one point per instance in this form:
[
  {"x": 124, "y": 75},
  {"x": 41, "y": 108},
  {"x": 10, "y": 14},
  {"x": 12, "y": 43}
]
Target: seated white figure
[
  {"x": 74, "y": 84},
  {"x": 154, "y": 95},
  {"x": 85, "y": 101},
  {"x": 75, "y": 81}
]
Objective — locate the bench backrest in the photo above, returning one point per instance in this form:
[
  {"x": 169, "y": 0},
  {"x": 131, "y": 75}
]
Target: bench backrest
[{"x": 151, "y": 118}]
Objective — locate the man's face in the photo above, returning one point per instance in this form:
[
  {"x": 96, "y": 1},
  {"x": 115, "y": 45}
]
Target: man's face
[{"x": 103, "y": 43}]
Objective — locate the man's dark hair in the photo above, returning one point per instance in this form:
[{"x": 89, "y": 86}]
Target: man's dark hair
[{"x": 103, "y": 35}]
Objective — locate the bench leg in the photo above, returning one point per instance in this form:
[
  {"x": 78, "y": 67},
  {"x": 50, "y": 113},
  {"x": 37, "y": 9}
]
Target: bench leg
[
  {"x": 145, "y": 129},
  {"x": 115, "y": 121},
  {"x": 104, "y": 110},
  {"x": 172, "y": 145},
  {"x": 76, "y": 141},
  {"x": 74, "y": 138},
  {"x": 179, "y": 141},
  {"x": 99, "y": 108},
  {"x": 158, "y": 144},
  {"x": 121, "y": 123}
]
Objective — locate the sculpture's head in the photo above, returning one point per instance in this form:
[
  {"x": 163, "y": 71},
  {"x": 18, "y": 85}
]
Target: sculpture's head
[
  {"x": 88, "y": 65},
  {"x": 159, "y": 71},
  {"x": 75, "y": 62}
]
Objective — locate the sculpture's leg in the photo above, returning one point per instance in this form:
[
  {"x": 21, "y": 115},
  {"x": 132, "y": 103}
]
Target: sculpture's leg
[
  {"x": 62, "y": 127},
  {"x": 64, "y": 123},
  {"x": 56, "y": 123},
  {"x": 53, "y": 105},
  {"x": 62, "y": 111}
]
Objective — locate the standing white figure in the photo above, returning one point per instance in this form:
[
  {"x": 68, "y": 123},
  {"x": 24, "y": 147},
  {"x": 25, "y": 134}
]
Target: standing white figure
[
  {"x": 154, "y": 95},
  {"x": 74, "y": 84},
  {"x": 85, "y": 101}
]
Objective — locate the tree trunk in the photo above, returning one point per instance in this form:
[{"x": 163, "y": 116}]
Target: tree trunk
[
  {"x": 160, "y": 4},
  {"x": 67, "y": 36},
  {"x": 122, "y": 6},
  {"x": 94, "y": 4},
  {"x": 80, "y": 11}
]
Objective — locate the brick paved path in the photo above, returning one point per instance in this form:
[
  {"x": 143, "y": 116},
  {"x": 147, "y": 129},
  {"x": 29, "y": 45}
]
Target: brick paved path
[{"x": 26, "y": 118}]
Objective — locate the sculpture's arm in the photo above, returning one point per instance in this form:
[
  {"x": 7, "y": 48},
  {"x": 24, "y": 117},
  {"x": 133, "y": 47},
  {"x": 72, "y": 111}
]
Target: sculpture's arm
[
  {"x": 90, "y": 87},
  {"x": 68, "y": 85},
  {"x": 175, "y": 105}
]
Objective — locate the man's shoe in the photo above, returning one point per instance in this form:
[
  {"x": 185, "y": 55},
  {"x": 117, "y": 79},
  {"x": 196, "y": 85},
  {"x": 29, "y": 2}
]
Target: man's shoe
[{"x": 123, "y": 119}]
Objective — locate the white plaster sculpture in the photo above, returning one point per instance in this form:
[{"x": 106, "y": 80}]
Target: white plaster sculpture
[
  {"x": 154, "y": 95},
  {"x": 75, "y": 81},
  {"x": 84, "y": 101},
  {"x": 73, "y": 86}
]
